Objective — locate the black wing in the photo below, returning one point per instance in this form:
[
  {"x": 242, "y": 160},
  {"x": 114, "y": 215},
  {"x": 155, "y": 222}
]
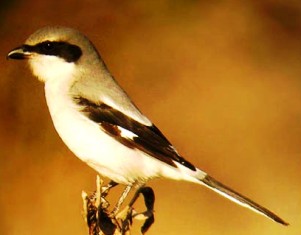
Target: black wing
[{"x": 148, "y": 139}]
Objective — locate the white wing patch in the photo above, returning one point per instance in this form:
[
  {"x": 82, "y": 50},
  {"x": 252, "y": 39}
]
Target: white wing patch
[{"x": 126, "y": 133}]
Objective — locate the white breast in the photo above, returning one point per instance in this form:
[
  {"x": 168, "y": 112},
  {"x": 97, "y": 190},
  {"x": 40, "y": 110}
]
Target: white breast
[{"x": 89, "y": 143}]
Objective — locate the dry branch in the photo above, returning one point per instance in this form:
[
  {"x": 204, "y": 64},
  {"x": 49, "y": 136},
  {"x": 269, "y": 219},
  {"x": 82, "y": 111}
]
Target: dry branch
[{"x": 101, "y": 221}]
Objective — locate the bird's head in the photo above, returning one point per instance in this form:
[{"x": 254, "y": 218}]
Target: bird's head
[{"x": 53, "y": 52}]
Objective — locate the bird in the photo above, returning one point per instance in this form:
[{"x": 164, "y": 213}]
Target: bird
[{"x": 98, "y": 121}]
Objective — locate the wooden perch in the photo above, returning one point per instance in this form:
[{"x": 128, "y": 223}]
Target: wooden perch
[{"x": 101, "y": 221}]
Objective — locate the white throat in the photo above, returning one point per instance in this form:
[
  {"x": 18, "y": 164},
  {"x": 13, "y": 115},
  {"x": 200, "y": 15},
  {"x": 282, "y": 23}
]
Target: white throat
[{"x": 51, "y": 68}]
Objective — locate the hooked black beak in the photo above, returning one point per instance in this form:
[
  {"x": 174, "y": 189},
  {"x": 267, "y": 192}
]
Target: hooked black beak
[{"x": 19, "y": 53}]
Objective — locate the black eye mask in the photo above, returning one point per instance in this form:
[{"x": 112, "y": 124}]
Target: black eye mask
[{"x": 64, "y": 50}]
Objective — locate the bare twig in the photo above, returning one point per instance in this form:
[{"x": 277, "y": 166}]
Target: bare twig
[{"x": 101, "y": 221}]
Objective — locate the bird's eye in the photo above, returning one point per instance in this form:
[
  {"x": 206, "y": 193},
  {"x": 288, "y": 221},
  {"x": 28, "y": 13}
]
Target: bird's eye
[{"x": 48, "y": 46}]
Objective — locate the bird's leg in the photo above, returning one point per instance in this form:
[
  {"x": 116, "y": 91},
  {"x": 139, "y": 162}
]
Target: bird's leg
[{"x": 121, "y": 199}]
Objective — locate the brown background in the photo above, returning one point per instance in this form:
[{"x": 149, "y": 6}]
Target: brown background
[{"x": 221, "y": 79}]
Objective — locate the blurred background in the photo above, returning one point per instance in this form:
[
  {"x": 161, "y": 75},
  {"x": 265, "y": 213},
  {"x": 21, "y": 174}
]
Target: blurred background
[{"x": 221, "y": 79}]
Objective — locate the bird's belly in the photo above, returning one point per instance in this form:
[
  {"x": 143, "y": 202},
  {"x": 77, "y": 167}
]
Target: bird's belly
[{"x": 100, "y": 151}]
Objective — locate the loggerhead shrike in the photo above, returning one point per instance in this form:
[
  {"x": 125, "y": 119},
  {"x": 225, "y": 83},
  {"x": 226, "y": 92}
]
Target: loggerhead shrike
[{"x": 100, "y": 124}]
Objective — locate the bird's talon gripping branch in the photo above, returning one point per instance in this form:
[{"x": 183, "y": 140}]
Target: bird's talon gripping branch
[{"x": 101, "y": 221}]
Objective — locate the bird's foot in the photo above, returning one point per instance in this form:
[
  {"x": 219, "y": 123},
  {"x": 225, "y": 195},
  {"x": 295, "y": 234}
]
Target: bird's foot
[{"x": 101, "y": 221}]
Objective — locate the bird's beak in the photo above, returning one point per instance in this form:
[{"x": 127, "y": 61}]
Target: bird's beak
[{"x": 19, "y": 53}]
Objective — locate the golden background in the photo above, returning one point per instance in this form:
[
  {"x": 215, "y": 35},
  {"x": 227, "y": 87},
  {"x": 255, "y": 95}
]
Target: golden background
[{"x": 222, "y": 80}]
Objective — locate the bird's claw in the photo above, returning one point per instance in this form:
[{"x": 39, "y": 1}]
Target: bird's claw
[{"x": 101, "y": 221}]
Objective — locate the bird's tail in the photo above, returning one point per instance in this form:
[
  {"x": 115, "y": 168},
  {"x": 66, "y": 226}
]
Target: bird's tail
[{"x": 236, "y": 197}]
